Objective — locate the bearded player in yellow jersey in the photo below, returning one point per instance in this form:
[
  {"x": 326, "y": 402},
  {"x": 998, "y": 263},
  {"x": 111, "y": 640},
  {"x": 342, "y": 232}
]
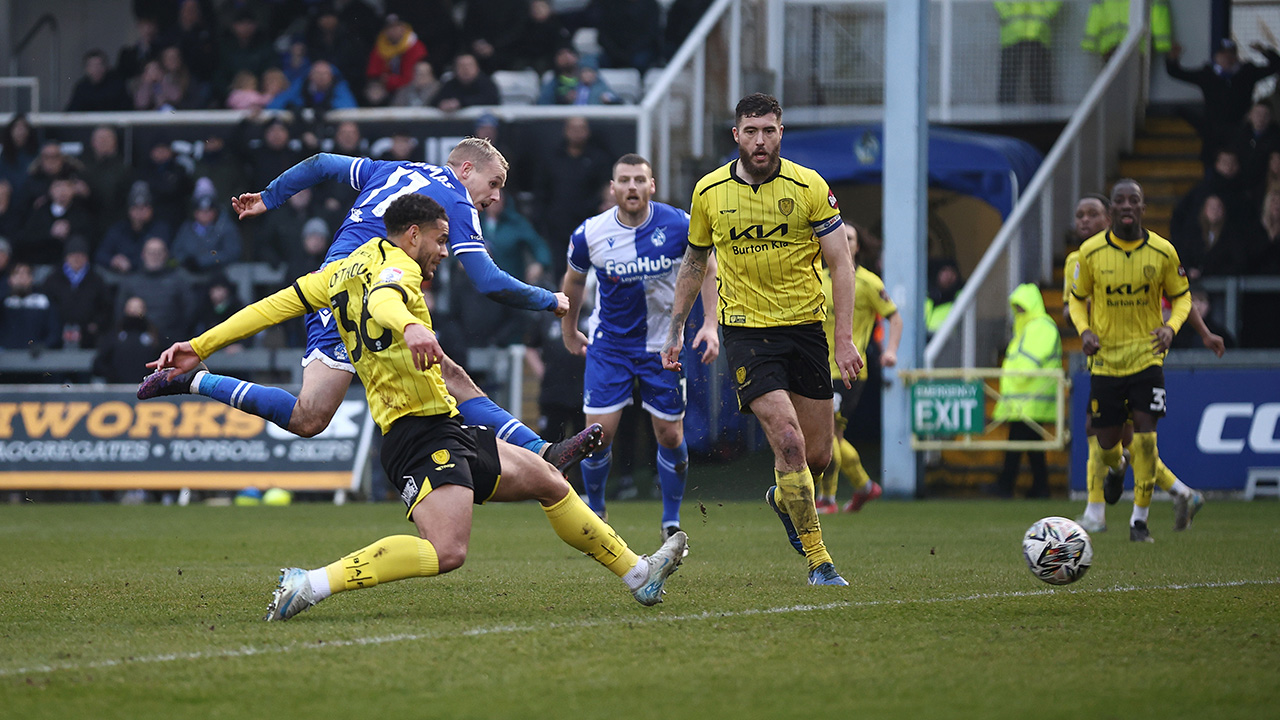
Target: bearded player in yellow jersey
[
  {"x": 770, "y": 220},
  {"x": 1092, "y": 216},
  {"x": 440, "y": 466},
  {"x": 1125, "y": 272},
  {"x": 870, "y": 301}
]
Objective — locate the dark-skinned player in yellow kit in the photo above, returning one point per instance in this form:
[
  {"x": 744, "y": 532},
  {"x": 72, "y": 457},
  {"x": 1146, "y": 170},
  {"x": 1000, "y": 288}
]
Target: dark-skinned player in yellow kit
[
  {"x": 1125, "y": 272},
  {"x": 440, "y": 466}
]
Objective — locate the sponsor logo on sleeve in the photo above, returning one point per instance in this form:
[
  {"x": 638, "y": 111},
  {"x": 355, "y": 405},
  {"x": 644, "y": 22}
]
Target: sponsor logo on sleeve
[
  {"x": 831, "y": 200},
  {"x": 391, "y": 275}
]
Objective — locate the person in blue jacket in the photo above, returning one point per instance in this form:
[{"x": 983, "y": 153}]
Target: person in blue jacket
[{"x": 470, "y": 180}]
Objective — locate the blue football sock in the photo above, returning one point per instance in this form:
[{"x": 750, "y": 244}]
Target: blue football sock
[
  {"x": 673, "y": 468},
  {"x": 271, "y": 403},
  {"x": 483, "y": 411},
  {"x": 595, "y": 471}
]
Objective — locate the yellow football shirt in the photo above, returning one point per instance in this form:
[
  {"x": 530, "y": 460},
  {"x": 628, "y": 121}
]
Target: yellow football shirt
[
  {"x": 766, "y": 241},
  {"x": 378, "y": 280},
  {"x": 1126, "y": 281},
  {"x": 869, "y": 301}
]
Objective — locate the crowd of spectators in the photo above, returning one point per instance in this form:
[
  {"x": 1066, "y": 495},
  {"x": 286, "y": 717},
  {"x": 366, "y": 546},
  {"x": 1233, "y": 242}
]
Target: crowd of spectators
[
  {"x": 1228, "y": 224},
  {"x": 328, "y": 54}
]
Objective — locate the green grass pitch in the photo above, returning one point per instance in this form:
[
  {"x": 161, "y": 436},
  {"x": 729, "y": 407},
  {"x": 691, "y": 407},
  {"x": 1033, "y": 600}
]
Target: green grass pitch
[{"x": 140, "y": 612}]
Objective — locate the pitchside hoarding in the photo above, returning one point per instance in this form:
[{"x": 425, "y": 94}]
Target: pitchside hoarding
[
  {"x": 77, "y": 438},
  {"x": 1219, "y": 424}
]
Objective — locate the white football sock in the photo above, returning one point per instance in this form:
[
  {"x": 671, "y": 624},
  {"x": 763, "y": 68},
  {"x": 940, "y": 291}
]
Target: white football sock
[
  {"x": 635, "y": 577},
  {"x": 319, "y": 579}
]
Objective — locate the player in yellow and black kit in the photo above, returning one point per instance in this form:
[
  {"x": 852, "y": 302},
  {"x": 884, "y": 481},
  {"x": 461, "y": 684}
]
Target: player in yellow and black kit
[
  {"x": 1106, "y": 485},
  {"x": 770, "y": 222},
  {"x": 870, "y": 302},
  {"x": 440, "y": 466},
  {"x": 1123, "y": 273}
]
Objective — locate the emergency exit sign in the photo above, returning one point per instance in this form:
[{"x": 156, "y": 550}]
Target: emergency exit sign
[{"x": 947, "y": 407}]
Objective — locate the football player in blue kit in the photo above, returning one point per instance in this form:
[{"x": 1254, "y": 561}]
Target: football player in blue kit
[
  {"x": 471, "y": 179},
  {"x": 635, "y": 250}
]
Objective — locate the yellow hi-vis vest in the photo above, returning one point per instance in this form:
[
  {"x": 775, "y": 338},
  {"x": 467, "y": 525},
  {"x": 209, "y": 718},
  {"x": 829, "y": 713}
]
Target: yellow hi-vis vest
[
  {"x": 1109, "y": 22},
  {"x": 1036, "y": 345},
  {"x": 1026, "y": 21}
]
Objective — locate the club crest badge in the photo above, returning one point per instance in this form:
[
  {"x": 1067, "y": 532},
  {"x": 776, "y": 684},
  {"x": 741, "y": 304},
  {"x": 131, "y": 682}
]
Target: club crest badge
[
  {"x": 786, "y": 205},
  {"x": 440, "y": 457},
  {"x": 659, "y": 236}
]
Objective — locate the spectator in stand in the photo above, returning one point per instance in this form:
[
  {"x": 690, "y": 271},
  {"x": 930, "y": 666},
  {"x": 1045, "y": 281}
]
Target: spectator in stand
[
  {"x": 466, "y": 87},
  {"x": 19, "y": 151},
  {"x": 244, "y": 49},
  {"x": 1222, "y": 180},
  {"x": 515, "y": 246},
  {"x": 330, "y": 41},
  {"x": 537, "y": 43},
  {"x": 168, "y": 181},
  {"x": 1227, "y": 85},
  {"x": 49, "y": 226},
  {"x": 273, "y": 156},
  {"x": 1254, "y": 142},
  {"x": 220, "y": 166},
  {"x": 567, "y": 187},
  {"x": 630, "y": 33},
  {"x": 1201, "y": 302},
  {"x": 420, "y": 90},
  {"x": 1259, "y": 327},
  {"x": 121, "y": 247},
  {"x": 394, "y": 53},
  {"x": 197, "y": 41},
  {"x": 101, "y": 89},
  {"x": 559, "y": 88},
  {"x": 375, "y": 94},
  {"x": 52, "y": 164},
  {"x": 152, "y": 92},
  {"x": 219, "y": 303},
  {"x": 276, "y": 242},
  {"x": 1264, "y": 246},
  {"x": 491, "y": 31},
  {"x": 108, "y": 176},
  {"x": 360, "y": 18},
  {"x": 164, "y": 289},
  {"x": 403, "y": 147},
  {"x": 682, "y": 17},
  {"x": 322, "y": 90},
  {"x": 306, "y": 256},
  {"x": 81, "y": 297},
  {"x": 11, "y": 216},
  {"x": 132, "y": 58},
  {"x": 30, "y": 321},
  {"x": 296, "y": 60},
  {"x": 191, "y": 92},
  {"x": 433, "y": 21},
  {"x": 592, "y": 89},
  {"x": 208, "y": 240},
  {"x": 337, "y": 197},
  {"x": 1214, "y": 245},
  {"x": 123, "y": 355},
  {"x": 1108, "y": 23}
]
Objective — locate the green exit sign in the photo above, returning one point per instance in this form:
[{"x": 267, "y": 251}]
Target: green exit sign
[{"x": 947, "y": 407}]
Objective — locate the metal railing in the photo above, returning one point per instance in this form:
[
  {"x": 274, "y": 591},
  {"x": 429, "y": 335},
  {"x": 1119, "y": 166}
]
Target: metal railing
[
  {"x": 1024, "y": 248},
  {"x": 55, "y": 54}
]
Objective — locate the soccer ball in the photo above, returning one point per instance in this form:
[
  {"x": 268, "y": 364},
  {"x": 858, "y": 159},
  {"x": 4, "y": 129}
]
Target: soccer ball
[{"x": 1057, "y": 550}]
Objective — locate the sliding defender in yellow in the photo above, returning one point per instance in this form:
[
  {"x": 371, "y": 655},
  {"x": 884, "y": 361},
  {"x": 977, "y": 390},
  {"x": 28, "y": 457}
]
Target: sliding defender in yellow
[{"x": 440, "y": 466}]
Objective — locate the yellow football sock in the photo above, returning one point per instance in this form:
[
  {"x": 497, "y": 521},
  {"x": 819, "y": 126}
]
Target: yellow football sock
[
  {"x": 851, "y": 465},
  {"x": 1145, "y": 455},
  {"x": 392, "y": 558},
  {"x": 582, "y": 529},
  {"x": 795, "y": 497},
  {"x": 1165, "y": 478},
  {"x": 830, "y": 481},
  {"x": 1095, "y": 471}
]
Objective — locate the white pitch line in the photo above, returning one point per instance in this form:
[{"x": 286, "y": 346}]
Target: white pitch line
[{"x": 584, "y": 624}]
